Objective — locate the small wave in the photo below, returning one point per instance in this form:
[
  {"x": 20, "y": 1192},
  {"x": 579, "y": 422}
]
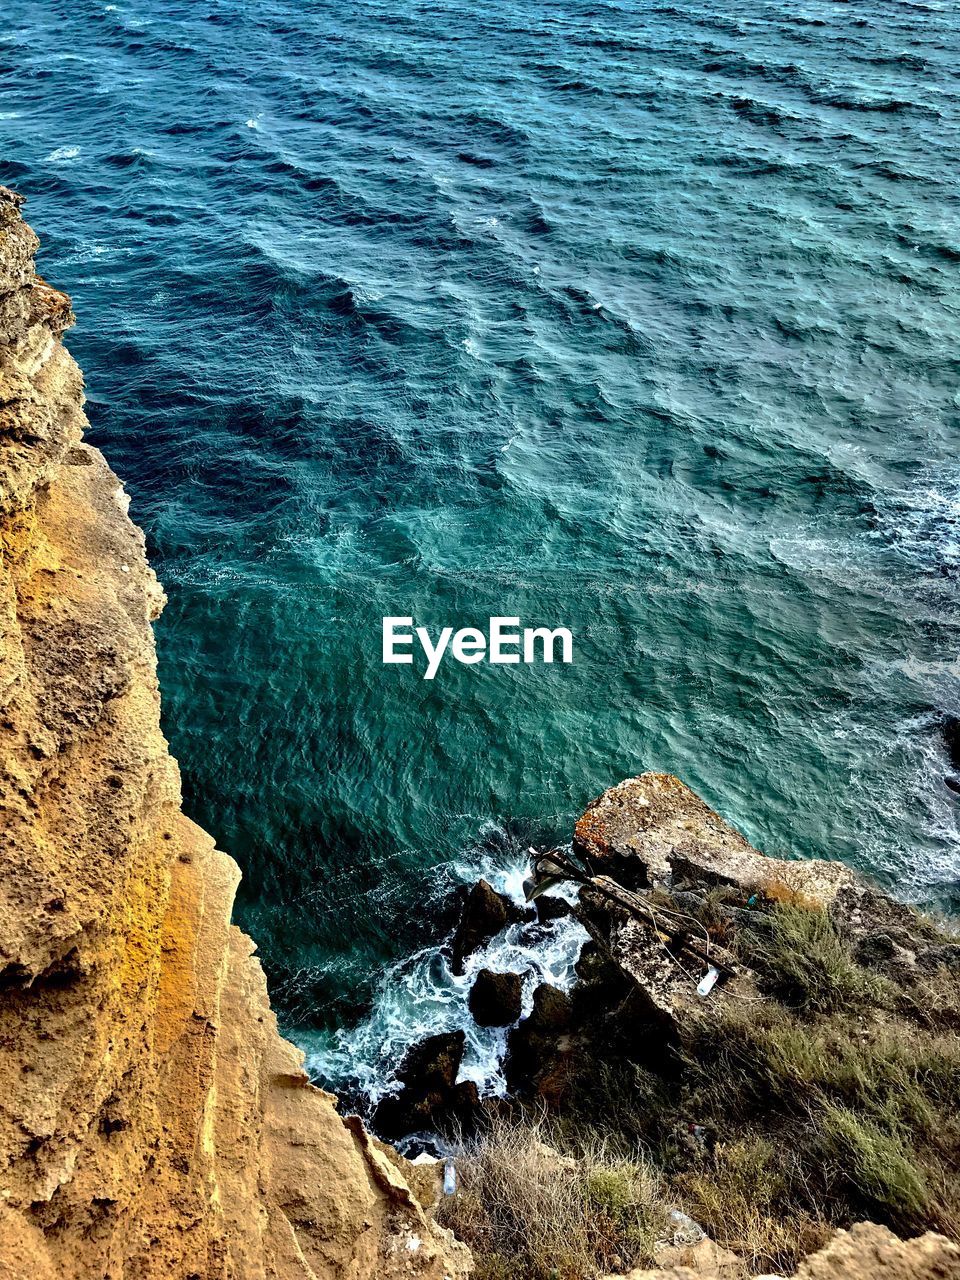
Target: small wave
[
  {"x": 906, "y": 60},
  {"x": 738, "y": 67},
  {"x": 759, "y": 113},
  {"x": 136, "y": 156},
  {"x": 508, "y": 135},
  {"x": 883, "y": 106},
  {"x": 478, "y": 162},
  {"x": 579, "y": 86},
  {"x": 923, "y": 522},
  {"x": 63, "y": 154}
]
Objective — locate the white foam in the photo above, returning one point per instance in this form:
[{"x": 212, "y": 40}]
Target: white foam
[
  {"x": 420, "y": 996},
  {"x": 925, "y": 522}
]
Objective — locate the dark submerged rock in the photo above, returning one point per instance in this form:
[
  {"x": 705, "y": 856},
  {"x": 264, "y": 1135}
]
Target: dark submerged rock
[{"x": 950, "y": 729}]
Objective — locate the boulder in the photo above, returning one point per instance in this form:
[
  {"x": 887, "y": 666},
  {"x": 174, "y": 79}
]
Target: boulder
[
  {"x": 429, "y": 1096},
  {"x": 865, "y": 1252},
  {"x": 704, "y": 1258},
  {"x": 871, "y": 1252},
  {"x": 495, "y": 998},
  {"x": 653, "y": 830},
  {"x": 541, "y": 1051},
  {"x": 550, "y": 908},
  {"x": 552, "y": 1010},
  {"x": 483, "y": 914},
  {"x": 434, "y": 1062}
]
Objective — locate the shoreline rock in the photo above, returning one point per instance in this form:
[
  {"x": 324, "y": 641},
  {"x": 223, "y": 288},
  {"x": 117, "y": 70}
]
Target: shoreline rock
[
  {"x": 778, "y": 1038},
  {"x": 496, "y": 998},
  {"x": 483, "y": 913},
  {"x": 429, "y": 1097}
]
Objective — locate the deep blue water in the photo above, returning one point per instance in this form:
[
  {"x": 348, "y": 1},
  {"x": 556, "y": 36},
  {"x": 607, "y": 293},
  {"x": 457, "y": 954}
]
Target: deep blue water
[{"x": 637, "y": 318}]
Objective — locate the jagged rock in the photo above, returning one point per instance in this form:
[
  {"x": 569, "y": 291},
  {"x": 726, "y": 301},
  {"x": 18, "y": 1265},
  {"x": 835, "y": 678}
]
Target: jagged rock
[
  {"x": 484, "y": 913},
  {"x": 654, "y": 830},
  {"x": 429, "y": 1096},
  {"x": 552, "y": 1010},
  {"x": 550, "y": 908},
  {"x": 434, "y": 1062},
  {"x": 153, "y": 1123},
  {"x": 865, "y": 1252},
  {"x": 946, "y": 954},
  {"x": 653, "y": 834},
  {"x": 495, "y": 998},
  {"x": 541, "y": 1050},
  {"x": 870, "y": 1252},
  {"x": 704, "y": 1258}
]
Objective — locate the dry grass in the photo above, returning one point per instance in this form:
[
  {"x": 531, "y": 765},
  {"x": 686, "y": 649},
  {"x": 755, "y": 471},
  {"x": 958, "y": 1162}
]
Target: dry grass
[
  {"x": 859, "y": 1103},
  {"x": 530, "y": 1212},
  {"x": 742, "y": 1195}
]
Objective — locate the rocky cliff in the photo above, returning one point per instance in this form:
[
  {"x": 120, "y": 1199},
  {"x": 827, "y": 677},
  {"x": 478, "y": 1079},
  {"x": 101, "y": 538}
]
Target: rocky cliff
[{"x": 152, "y": 1121}]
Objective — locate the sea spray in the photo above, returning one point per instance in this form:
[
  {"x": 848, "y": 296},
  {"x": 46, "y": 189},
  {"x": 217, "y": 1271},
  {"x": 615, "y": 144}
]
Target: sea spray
[{"x": 421, "y": 996}]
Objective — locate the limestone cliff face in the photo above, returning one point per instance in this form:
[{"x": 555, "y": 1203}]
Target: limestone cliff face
[{"x": 152, "y": 1121}]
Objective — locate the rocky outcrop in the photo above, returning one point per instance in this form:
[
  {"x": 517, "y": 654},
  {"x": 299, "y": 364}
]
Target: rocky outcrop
[
  {"x": 549, "y": 909},
  {"x": 668, "y": 883},
  {"x": 152, "y": 1121},
  {"x": 865, "y": 1252},
  {"x": 869, "y": 1252},
  {"x": 483, "y": 914},
  {"x": 428, "y": 1096},
  {"x": 541, "y": 1050},
  {"x": 653, "y": 830},
  {"x": 779, "y": 1037}
]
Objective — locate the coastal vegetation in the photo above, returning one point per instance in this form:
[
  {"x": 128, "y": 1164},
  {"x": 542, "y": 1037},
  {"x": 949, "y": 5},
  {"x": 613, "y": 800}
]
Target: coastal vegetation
[{"x": 816, "y": 1087}]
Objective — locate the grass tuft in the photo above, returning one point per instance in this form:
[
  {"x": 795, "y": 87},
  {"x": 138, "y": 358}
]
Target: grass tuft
[
  {"x": 532, "y": 1212},
  {"x": 803, "y": 961},
  {"x": 875, "y": 1163}
]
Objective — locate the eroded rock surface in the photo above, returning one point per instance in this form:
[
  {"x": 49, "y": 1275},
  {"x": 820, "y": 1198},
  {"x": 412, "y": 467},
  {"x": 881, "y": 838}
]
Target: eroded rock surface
[
  {"x": 865, "y": 1252},
  {"x": 152, "y": 1121},
  {"x": 656, "y": 851},
  {"x": 654, "y": 830}
]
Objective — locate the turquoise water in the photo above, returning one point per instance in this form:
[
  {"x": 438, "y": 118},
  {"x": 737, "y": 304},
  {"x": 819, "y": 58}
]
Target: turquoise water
[{"x": 640, "y": 319}]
